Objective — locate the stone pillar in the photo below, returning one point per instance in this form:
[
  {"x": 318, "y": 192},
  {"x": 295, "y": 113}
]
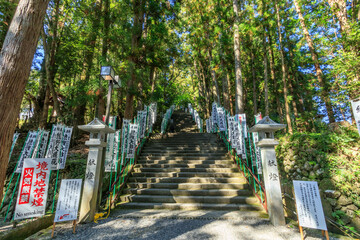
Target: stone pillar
[
  {"x": 96, "y": 144},
  {"x": 266, "y": 128}
]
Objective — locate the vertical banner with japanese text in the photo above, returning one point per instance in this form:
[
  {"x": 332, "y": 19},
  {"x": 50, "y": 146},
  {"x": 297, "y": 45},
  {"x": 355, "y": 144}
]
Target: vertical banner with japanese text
[
  {"x": 14, "y": 140},
  {"x": 53, "y": 150},
  {"x": 33, "y": 189},
  {"x": 27, "y": 150},
  {"x": 110, "y": 165},
  {"x": 110, "y": 139},
  {"x": 68, "y": 202},
  {"x": 356, "y": 110},
  {"x": 221, "y": 121},
  {"x": 132, "y": 142},
  {"x": 40, "y": 149},
  {"x": 257, "y": 151},
  {"x": 65, "y": 144}
]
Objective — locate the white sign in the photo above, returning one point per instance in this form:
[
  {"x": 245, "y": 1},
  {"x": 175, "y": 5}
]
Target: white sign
[
  {"x": 40, "y": 149},
  {"x": 68, "y": 202},
  {"x": 133, "y": 132},
  {"x": 356, "y": 110},
  {"x": 27, "y": 150},
  {"x": 214, "y": 114},
  {"x": 257, "y": 149},
  {"x": 15, "y": 138},
  {"x": 125, "y": 135},
  {"x": 142, "y": 123},
  {"x": 33, "y": 188},
  {"x": 110, "y": 164},
  {"x": 221, "y": 121},
  {"x": 308, "y": 205},
  {"x": 53, "y": 150},
  {"x": 65, "y": 144},
  {"x": 208, "y": 127}
]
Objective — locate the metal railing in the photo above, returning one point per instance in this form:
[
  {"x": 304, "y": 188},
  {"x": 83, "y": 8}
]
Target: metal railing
[{"x": 247, "y": 167}]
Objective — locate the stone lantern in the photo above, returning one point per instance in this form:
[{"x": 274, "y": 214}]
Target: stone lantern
[
  {"x": 93, "y": 173},
  {"x": 266, "y": 129}
]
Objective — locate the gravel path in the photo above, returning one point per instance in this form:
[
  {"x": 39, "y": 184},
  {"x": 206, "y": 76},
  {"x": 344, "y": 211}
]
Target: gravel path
[{"x": 155, "y": 225}]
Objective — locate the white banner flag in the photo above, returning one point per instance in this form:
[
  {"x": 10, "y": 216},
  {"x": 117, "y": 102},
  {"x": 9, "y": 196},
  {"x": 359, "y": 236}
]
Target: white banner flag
[
  {"x": 14, "y": 140},
  {"x": 68, "y": 202},
  {"x": 40, "y": 149},
  {"x": 133, "y": 132},
  {"x": 356, "y": 110},
  {"x": 33, "y": 188},
  {"x": 221, "y": 119},
  {"x": 53, "y": 150},
  {"x": 27, "y": 149},
  {"x": 65, "y": 144}
]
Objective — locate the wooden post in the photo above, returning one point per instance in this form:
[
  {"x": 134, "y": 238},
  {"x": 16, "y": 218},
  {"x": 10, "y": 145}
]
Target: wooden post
[
  {"x": 74, "y": 226},
  {"x": 301, "y": 231},
  {"x": 53, "y": 230},
  {"x": 327, "y": 235}
]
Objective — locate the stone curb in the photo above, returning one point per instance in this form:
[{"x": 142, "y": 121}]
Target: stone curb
[{"x": 28, "y": 229}]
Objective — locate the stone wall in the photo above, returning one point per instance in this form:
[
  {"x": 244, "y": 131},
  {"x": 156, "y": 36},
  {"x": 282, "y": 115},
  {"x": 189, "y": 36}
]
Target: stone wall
[{"x": 332, "y": 159}]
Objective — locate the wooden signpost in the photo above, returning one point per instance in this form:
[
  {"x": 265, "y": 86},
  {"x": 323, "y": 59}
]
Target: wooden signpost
[
  {"x": 308, "y": 207},
  {"x": 68, "y": 203}
]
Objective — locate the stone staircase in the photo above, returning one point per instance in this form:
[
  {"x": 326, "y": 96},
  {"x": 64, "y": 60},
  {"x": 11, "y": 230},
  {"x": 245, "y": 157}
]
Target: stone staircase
[{"x": 186, "y": 170}]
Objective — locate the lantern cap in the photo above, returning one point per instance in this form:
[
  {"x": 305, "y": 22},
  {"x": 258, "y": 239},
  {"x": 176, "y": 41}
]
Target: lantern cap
[
  {"x": 267, "y": 125},
  {"x": 96, "y": 126}
]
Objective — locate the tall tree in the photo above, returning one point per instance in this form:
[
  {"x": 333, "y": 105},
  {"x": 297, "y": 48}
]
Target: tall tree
[
  {"x": 324, "y": 92},
  {"x": 283, "y": 69},
  {"x": 239, "y": 91},
  {"x": 16, "y": 58}
]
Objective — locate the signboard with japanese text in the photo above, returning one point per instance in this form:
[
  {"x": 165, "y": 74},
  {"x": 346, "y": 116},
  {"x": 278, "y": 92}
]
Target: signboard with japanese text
[
  {"x": 125, "y": 136},
  {"x": 40, "y": 149},
  {"x": 132, "y": 142},
  {"x": 356, "y": 110},
  {"x": 14, "y": 140},
  {"x": 242, "y": 118},
  {"x": 142, "y": 123},
  {"x": 214, "y": 119},
  {"x": 27, "y": 150},
  {"x": 68, "y": 202},
  {"x": 235, "y": 135},
  {"x": 53, "y": 150},
  {"x": 65, "y": 144},
  {"x": 208, "y": 126},
  {"x": 33, "y": 188},
  {"x": 241, "y": 147},
  {"x": 308, "y": 205},
  {"x": 257, "y": 151},
  {"x": 110, "y": 164},
  {"x": 221, "y": 119}
]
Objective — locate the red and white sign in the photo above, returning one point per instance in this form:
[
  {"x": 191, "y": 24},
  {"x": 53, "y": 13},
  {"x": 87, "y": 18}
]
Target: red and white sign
[{"x": 33, "y": 189}]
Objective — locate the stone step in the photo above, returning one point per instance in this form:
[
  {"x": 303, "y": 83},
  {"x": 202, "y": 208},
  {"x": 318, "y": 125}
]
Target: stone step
[
  {"x": 189, "y": 166},
  {"x": 187, "y": 170},
  {"x": 185, "y": 174},
  {"x": 189, "y": 199},
  {"x": 194, "y": 206},
  {"x": 183, "y": 158},
  {"x": 182, "y": 152},
  {"x": 180, "y": 148},
  {"x": 187, "y": 144},
  {"x": 185, "y": 180},
  {"x": 170, "y": 154},
  {"x": 182, "y": 192},
  {"x": 240, "y": 184},
  {"x": 187, "y": 161}
]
